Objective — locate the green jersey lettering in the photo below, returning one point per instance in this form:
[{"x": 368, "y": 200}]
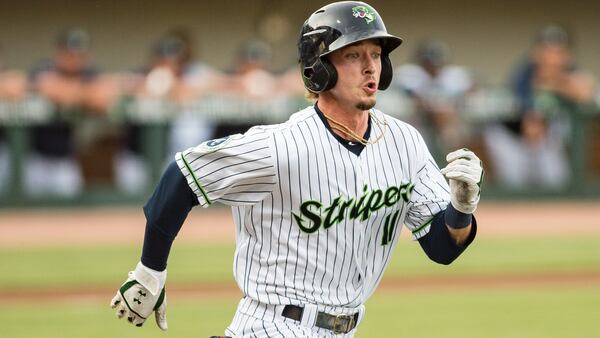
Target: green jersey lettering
[
  {"x": 313, "y": 216},
  {"x": 361, "y": 208}
]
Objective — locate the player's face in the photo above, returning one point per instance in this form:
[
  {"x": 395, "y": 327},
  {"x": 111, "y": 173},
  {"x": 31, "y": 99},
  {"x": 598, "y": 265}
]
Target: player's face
[{"x": 358, "y": 67}]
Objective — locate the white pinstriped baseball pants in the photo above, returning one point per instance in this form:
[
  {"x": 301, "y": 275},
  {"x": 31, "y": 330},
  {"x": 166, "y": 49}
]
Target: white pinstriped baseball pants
[{"x": 258, "y": 320}]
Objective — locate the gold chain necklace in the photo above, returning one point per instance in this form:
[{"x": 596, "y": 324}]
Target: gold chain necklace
[{"x": 382, "y": 125}]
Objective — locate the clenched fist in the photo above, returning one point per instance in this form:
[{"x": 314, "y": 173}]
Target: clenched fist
[
  {"x": 465, "y": 174},
  {"x": 139, "y": 296}
]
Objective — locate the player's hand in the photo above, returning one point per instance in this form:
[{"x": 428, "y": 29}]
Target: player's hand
[
  {"x": 139, "y": 296},
  {"x": 465, "y": 174}
]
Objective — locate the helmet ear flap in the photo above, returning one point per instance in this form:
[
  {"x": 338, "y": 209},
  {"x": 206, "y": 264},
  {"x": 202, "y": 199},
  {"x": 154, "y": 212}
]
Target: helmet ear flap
[
  {"x": 321, "y": 76},
  {"x": 318, "y": 73},
  {"x": 385, "y": 79},
  {"x": 331, "y": 73}
]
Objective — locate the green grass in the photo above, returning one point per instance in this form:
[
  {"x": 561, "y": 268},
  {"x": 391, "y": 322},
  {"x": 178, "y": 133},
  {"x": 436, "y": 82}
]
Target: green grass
[
  {"x": 508, "y": 313},
  {"x": 503, "y": 256},
  {"x": 101, "y": 266},
  {"x": 93, "y": 319},
  {"x": 515, "y": 312}
]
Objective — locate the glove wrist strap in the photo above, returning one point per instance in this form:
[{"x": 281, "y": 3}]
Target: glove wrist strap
[
  {"x": 151, "y": 279},
  {"x": 457, "y": 219}
]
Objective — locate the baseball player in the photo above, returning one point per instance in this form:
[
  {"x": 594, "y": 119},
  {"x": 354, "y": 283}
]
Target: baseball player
[{"x": 318, "y": 201}]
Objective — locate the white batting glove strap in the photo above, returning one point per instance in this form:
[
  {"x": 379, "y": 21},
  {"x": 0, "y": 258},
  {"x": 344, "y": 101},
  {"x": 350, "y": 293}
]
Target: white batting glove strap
[
  {"x": 135, "y": 302},
  {"x": 464, "y": 173},
  {"x": 153, "y": 280}
]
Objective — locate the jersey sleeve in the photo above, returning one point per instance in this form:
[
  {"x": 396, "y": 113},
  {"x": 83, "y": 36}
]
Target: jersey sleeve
[
  {"x": 235, "y": 170},
  {"x": 430, "y": 193}
]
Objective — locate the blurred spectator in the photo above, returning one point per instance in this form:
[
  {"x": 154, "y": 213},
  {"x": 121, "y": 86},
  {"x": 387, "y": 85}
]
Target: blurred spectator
[
  {"x": 4, "y": 165},
  {"x": 171, "y": 76},
  {"x": 253, "y": 76},
  {"x": 197, "y": 79},
  {"x": 530, "y": 150},
  {"x": 438, "y": 90},
  {"x": 256, "y": 87},
  {"x": 67, "y": 80},
  {"x": 13, "y": 86},
  {"x": 251, "y": 80}
]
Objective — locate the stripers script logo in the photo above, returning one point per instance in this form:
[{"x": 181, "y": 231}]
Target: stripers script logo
[{"x": 313, "y": 214}]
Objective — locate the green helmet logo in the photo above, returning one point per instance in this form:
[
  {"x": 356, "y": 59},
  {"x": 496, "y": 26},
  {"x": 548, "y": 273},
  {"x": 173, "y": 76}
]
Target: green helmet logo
[{"x": 364, "y": 12}]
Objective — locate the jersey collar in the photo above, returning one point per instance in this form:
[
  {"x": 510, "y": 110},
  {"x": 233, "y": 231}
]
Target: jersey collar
[{"x": 354, "y": 147}]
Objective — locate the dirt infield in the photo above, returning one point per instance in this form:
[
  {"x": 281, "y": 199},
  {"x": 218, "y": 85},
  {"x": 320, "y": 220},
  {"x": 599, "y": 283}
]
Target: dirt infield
[
  {"x": 57, "y": 227},
  {"x": 393, "y": 284}
]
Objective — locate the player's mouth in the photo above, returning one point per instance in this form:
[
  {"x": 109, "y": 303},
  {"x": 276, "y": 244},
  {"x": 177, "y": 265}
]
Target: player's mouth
[{"x": 370, "y": 87}]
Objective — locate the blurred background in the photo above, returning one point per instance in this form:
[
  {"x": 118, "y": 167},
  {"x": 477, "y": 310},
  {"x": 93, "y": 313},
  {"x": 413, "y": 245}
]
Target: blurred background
[
  {"x": 97, "y": 96},
  {"x": 93, "y": 104}
]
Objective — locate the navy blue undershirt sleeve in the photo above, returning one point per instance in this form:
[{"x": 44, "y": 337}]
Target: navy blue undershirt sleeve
[
  {"x": 165, "y": 213},
  {"x": 438, "y": 244}
]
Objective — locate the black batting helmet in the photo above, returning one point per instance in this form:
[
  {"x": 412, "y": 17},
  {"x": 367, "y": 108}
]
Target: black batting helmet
[{"x": 333, "y": 27}]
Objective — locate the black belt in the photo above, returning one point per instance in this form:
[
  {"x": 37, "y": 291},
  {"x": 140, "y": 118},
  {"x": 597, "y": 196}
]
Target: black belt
[{"x": 338, "y": 324}]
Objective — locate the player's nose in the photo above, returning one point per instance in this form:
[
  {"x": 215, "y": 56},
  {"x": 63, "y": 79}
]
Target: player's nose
[{"x": 369, "y": 65}]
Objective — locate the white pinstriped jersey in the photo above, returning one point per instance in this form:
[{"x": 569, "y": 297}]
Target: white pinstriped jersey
[{"x": 315, "y": 223}]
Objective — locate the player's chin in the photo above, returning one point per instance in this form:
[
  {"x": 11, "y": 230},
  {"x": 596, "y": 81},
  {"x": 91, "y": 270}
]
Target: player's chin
[{"x": 366, "y": 103}]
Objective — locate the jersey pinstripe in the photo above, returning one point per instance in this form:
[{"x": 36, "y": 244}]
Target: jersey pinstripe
[{"x": 316, "y": 223}]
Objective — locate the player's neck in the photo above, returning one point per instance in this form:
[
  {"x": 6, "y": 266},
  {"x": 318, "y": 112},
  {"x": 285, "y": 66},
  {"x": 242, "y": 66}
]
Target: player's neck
[{"x": 350, "y": 117}]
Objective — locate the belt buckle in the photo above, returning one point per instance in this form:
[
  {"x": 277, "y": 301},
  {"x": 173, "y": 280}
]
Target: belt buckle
[{"x": 342, "y": 324}]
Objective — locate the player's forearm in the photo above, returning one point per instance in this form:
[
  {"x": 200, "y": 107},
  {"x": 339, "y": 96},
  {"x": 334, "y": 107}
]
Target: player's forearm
[
  {"x": 165, "y": 213},
  {"x": 156, "y": 249},
  {"x": 440, "y": 244},
  {"x": 459, "y": 236},
  {"x": 458, "y": 224}
]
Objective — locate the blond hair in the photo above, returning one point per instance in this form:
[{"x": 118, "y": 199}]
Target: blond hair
[{"x": 310, "y": 96}]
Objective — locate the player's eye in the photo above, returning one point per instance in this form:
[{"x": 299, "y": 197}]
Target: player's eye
[
  {"x": 376, "y": 55},
  {"x": 352, "y": 55}
]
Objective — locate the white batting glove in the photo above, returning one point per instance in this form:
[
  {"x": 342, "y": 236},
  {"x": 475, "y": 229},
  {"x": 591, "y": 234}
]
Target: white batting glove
[
  {"x": 139, "y": 296},
  {"x": 465, "y": 173}
]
